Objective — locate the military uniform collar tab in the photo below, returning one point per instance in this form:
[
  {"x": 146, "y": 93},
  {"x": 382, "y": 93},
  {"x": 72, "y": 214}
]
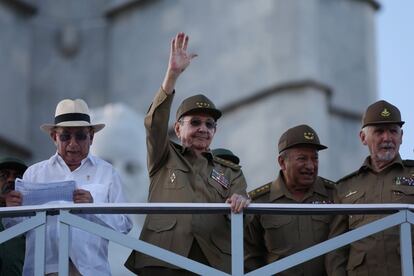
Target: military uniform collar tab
[{"x": 278, "y": 189}]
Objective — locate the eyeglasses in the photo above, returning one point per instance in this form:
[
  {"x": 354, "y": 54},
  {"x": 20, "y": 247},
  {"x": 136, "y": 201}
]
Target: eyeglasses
[
  {"x": 196, "y": 122},
  {"x": 79, "y": 136}
]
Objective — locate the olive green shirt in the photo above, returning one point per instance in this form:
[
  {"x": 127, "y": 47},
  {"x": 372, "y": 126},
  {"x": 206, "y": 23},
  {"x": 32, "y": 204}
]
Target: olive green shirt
[
  {"x": 178, "y": 175},
  {"x": 378, "y": 254},
  {"x": 272, "y": 237},
  {"x": 12, "y": 255}
]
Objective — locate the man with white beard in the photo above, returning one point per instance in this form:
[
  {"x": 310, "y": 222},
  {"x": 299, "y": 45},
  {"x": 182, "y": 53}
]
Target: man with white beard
[{"x": 382, "y": 178}]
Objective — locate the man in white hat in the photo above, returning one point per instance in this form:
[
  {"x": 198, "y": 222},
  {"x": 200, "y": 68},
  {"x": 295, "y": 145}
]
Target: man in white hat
[{"x": 96, "y": 181}]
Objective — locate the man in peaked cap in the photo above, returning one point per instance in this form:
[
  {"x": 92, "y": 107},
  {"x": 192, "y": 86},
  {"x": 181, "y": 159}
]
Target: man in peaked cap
[
  {"x": 11, "y": 251},
  {"x": 96, "y": 180},
  {"x": 187, "y": 173},
  {"x": 272, "y": 237},
  {"x": 382, "y": 178}
]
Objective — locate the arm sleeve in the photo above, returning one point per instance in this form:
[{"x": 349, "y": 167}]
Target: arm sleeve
[{"x": 156, "y": 126}]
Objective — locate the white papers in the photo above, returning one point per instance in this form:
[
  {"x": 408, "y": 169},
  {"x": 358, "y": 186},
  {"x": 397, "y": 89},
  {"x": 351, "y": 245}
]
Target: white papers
[{"x": 41, "y": 193}]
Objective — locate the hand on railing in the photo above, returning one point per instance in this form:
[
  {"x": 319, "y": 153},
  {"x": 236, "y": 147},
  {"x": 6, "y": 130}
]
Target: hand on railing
[{"x": 237, "y": 202}]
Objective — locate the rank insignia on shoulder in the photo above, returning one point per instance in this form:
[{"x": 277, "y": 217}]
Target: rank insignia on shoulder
[
  {"x": 172, "y": 177},
  {"x": 350, "y": 193},
  {"x": 220, "y": 178},
  {"x": 403, "y": 180}
]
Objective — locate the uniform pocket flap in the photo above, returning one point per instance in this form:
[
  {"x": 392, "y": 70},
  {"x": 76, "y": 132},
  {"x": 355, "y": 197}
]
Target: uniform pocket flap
[
  {"x": 276, "y": 221},
  {"x": 353, "y": 196},
  {"x": 408, "y": 190},
  {"x": 322, "y": 218},
  {"x": 160, "y": 224},
  {"x": 355, "y": 260}
]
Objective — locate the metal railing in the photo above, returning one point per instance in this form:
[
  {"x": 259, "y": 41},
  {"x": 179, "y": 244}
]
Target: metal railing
[{"x": 397, "y": 214}]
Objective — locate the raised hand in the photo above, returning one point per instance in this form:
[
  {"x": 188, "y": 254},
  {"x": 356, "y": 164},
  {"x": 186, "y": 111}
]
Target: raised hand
[{"x": 178, "y": 62}]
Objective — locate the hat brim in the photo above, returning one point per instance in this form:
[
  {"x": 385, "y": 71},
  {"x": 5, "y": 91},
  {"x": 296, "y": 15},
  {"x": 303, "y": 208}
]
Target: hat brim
[
  {"x": 400, "y": 123},
  {"x": 215, "y": 113},
  {"x": 49, "y": 127},
  {"x": 13, "y": 165},
  {"x": 316, "y": 146}
]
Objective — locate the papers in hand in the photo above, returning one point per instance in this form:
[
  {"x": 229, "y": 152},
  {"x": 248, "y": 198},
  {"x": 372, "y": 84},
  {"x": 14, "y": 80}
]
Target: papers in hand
[{"x": 41, "y": 193}]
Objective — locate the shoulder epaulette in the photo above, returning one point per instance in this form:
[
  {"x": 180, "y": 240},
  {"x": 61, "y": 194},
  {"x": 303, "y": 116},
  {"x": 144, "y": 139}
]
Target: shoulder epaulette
[
  {"x": 348, "y": 176},
  {"x": 408, "y": 163},
  {"x": 227, "y": 163},
  {"x": 259, "y": 191},
  {"x": 328, "y": 183}
]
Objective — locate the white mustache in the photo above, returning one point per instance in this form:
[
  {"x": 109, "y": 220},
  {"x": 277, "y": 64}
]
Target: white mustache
[{"x": 387, "y": 145}]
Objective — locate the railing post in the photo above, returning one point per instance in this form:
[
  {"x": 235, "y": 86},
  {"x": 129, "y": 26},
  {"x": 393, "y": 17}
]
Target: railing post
[
  {"x": 406, "y": 249},
  {"x": 40, "y": 237},
  {"x": 63, "y": 245},
  {"x": 237, "y": 249}
]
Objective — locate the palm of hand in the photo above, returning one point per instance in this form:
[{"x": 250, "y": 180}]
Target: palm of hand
[{"x": 179, "y": 60}]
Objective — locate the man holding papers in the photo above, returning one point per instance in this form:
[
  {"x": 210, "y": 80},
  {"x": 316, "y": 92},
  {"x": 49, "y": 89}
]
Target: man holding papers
[{"x": 96, "y": 181}]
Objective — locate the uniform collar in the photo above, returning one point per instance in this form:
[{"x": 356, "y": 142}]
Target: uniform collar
[
  {"x": 368, "y": 166},
  {"x": 56, "y": 158},
  {"x": 278, "y": 189}
]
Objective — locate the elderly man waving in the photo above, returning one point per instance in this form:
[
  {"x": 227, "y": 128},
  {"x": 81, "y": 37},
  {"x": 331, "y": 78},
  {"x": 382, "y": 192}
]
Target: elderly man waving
[
  {"x": 97, "y": 181},
  {"x": 187, "y": 173}
]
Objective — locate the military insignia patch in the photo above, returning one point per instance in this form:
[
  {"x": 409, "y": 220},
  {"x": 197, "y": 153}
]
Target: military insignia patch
[
  {"x": 351, "y": 193},
  {"x": 322, "y": 202},
  {"x": 172, "y": 177},
  {"x": 202, "y": 104},
  {"x": 309, "y": 135},
  {"x": 385, "y": 113},
  {"x": 402, "y": 180},
  {"x": 220, "y": 178}
]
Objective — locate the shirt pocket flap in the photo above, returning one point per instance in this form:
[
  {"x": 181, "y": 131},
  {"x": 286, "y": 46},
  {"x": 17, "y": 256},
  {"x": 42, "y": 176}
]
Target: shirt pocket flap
[
  {"x": 322, "y": 218},
  {"x": 354, "y": 197},
  {"x": 408, "y": 190},
  {"x": 177, "y": 166},
  {"x": 160, "y": 224},
  {"x": 355, "y": 260},
  {"x": 276, "y": 221}
]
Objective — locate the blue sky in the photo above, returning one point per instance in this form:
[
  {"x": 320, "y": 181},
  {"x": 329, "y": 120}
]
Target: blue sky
[{"x": 395, "y": 52}]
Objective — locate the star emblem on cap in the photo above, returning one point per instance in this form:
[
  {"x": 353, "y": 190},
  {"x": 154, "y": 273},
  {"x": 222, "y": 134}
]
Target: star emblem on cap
[
  {"x": 309, "y": 135},
  {"x": 385, "y": 113},
  {"x": 202, "y": 104}
]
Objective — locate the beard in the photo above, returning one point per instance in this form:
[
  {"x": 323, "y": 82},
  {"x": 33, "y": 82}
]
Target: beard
[{"x": 386, "y": 152}]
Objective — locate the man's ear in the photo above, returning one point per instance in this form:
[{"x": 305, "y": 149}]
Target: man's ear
[
  {"x": 91, "y": 135},
  {"x": 177, "y": 129},
  {"x": 53, "y": 136},
  {"x": 363, "y": 137},
  {"x": 282, "y": 162}
]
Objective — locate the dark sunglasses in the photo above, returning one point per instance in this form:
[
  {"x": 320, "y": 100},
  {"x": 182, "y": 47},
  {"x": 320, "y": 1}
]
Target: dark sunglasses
[
  {"x": 79, "y": 136},
  {"x": 195, "y": 122}
]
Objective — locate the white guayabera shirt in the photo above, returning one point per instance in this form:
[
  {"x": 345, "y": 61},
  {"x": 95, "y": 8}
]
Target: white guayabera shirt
[{"x": 88, "y": 252}]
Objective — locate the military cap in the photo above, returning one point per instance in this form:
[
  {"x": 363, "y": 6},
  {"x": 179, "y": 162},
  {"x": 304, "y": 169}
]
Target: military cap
[
  {"x": 198, "y": 103},
  {"x": 381, "y": 112},
  {"x": 12, "y": 163},
  {"x": 299, "y": 135},
  {"x": 226, "y": 154}
]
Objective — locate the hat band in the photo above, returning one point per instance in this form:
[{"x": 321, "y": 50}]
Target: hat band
[{"x": 72, "y": 117}]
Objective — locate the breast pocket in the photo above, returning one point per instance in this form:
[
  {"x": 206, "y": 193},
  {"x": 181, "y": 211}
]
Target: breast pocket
[
  {"x": 279, "y": 232},
  {"x": 223, "y": 192},
  {"x": 320, "y": 226},
  {"x": 355, "y": 197},
  {"x": 177, "y": 178},
  {"x": 402, "y": 194}
]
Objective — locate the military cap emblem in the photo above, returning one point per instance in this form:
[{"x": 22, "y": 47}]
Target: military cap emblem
[
  {"x": 309, "y": 135},
  {"x": 385, "y": 113},
  {"x": 203, "y": 105}
]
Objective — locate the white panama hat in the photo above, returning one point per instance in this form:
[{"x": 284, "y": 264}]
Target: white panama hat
[{"x": 72, "y": 113}]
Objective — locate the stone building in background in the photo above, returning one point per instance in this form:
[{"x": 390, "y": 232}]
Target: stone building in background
[{"x": 267, "y": 64}]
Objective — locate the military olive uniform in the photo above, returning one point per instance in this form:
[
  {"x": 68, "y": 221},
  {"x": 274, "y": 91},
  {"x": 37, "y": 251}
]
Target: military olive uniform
[
  {"x": 177, "y": 175},
  {"x": 272, "y": 237},
  {"x": 378, "y": 254}
]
